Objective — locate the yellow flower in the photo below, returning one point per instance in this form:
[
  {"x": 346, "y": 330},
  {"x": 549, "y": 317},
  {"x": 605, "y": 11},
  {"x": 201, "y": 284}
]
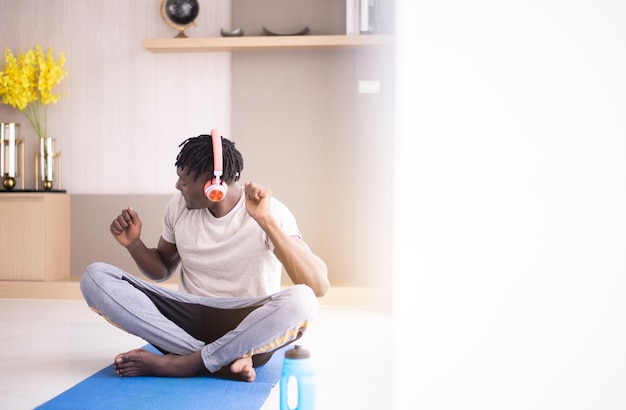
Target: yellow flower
[{"x": 27, "y": 81}]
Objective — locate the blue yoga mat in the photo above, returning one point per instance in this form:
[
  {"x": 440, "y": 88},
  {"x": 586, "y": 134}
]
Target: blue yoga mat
[{"x": 106, "y": 390}]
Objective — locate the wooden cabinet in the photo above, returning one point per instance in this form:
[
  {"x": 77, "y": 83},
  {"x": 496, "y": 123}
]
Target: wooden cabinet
[{"x": 34, "y": 236}]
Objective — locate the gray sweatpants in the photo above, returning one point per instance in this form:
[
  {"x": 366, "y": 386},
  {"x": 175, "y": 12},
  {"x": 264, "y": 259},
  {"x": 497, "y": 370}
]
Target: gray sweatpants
[{"x": 123, "y": 300}]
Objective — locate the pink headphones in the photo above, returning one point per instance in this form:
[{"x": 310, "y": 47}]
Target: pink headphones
[{"x": 215, "y": 189}]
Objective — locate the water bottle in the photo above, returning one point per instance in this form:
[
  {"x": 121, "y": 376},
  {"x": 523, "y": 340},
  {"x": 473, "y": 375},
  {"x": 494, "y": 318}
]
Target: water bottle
[{"x": 297, "y": 383}]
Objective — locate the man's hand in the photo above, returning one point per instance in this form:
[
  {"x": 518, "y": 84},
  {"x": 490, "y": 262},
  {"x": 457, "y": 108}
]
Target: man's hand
[
  {"x": 257, "y": 201},
  {"x": 126, "y": 228}
]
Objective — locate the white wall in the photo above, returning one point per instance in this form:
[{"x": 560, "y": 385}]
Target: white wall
[
  {"x": 510, "y": 205},
  {"x": 125, "y": 109}
]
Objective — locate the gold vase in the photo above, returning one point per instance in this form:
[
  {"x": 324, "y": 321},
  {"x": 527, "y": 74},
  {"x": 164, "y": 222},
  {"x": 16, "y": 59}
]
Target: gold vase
[
  {"x": 11, "y": 155},
  {"x": 46, "y": 164}
]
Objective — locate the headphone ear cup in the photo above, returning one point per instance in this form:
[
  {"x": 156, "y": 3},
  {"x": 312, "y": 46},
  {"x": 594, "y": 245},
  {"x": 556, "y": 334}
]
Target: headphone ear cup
[
  {"x": 207, "y": 187},
  {"x": 215, "y": 192}
]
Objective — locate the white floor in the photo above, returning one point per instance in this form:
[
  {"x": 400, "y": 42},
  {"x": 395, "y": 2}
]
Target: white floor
[{"x": 47, "y": 346}]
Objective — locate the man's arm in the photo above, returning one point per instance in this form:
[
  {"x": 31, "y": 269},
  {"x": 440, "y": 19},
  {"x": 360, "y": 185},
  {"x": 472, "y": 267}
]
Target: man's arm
[
  {"x": 156, "y": 263},
  {"x": 300, "y": 263}
]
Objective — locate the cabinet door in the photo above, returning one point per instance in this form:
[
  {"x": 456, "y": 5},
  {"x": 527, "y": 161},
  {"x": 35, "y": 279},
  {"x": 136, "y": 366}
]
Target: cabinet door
[
  {"x": 34, "y": 236},
  {"x": 22, "y": 238}
]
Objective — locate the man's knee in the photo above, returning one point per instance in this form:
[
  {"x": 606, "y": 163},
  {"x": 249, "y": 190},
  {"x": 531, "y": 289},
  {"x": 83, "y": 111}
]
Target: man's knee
[
  {"x": 91, "y": 273},
  {"x": 93, "y": 278},
  {"x": 305, "y": 293},
  {"x": 304, "y": 300}
]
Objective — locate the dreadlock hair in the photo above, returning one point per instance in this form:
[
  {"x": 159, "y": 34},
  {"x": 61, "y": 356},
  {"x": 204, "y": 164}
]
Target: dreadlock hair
[{"x": 197, "y": 155}]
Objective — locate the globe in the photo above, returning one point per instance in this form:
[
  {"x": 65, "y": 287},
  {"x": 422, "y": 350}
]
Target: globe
[{"x": 180, "y": 14}]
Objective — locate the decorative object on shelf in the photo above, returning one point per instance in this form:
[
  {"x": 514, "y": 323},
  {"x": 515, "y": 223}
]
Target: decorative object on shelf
[
  {"x": 366, "y": 17},
  {"x": 238, "y": 32},
  {"x": 367, "y": 14},
  {"x": 180, "y": 14},
  {"x": 47, "y": 162},
  {"x": 11, "y": 154},
  {"x": 297, "y": 33},
  {"x": 26, "y": 83}
]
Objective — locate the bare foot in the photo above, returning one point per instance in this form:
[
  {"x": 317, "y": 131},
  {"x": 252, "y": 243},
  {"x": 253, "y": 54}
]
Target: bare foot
[
  {"x": 242, "y": 368},
  {"x": 141, "y": 362}
]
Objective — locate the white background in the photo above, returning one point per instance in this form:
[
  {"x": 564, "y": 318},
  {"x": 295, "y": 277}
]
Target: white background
[{"x": 510, "y": 201}]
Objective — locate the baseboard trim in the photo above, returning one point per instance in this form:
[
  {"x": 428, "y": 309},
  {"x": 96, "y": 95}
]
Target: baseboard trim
[{"x": 341, "y": 295}]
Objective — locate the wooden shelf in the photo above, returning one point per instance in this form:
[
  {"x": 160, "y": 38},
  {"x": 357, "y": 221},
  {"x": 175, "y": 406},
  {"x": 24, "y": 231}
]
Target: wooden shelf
[{"x": 211, "y": 44}]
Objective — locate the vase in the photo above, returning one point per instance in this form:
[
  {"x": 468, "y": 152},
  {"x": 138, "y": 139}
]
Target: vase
[
  {"x": 46, "y": 164},
  {"x": 11, "y": 164}
]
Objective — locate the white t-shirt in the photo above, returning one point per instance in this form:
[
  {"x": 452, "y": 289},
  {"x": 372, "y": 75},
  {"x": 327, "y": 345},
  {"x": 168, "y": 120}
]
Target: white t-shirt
[{"x": 227, "y": 256}]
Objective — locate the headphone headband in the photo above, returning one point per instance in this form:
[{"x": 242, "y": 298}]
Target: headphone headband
[
  {"x": 215, "y": 189},
  {"x": 217, "y": 154}
]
